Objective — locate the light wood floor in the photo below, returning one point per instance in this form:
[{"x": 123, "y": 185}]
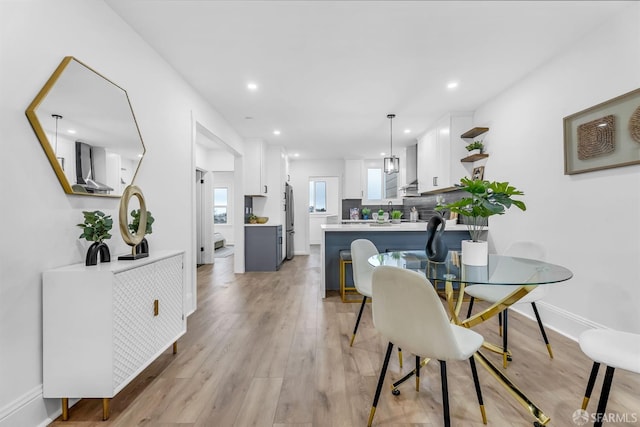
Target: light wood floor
[{"x": 264, "y": 350}]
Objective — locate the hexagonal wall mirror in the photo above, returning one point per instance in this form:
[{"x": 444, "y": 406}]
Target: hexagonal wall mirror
[{"x": 88, "y": 131}]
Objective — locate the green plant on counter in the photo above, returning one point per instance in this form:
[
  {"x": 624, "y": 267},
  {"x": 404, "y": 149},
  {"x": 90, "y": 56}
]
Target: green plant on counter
[
  {"x": 486, "y": 199},
  {"x": 380, "y": 213},
  {"x": 475, "y": 145},
  {"x": 96, "y": 226},
  {"x": 133, "y": 226},
  {"x": 396, "y": 214}
]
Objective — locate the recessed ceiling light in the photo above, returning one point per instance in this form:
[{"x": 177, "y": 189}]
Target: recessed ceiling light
[
  {"x": 407, "y": 131},
  {"x": 296, "y": 155},
  {"x": 383, "y": 154},
  {"x": 452, "y": 85},
  {"x": 444, "y": 131},
  {"x": 252, "y": 86},
  {"x": 72, "y": 131},
  {"x": 276, "y": 132}
]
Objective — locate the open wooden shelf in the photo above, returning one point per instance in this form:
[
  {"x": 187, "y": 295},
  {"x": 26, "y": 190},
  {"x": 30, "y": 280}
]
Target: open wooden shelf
[
  {"x": 474, "y": 157},
  {"x": 474, "y": 132}
]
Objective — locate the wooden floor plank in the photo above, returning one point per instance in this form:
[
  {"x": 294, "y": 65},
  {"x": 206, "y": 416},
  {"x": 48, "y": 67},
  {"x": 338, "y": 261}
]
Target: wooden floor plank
[{"x": 265, "y": 349}]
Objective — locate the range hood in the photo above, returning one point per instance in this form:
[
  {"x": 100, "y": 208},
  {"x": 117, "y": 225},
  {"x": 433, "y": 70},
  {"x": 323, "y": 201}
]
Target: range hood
[{"x": 411, "y": 188}]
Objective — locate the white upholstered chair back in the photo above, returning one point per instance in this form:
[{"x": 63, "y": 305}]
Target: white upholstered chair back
[
  {"x": 409, "y": 313},
  {"x": 361, "y": 251}
]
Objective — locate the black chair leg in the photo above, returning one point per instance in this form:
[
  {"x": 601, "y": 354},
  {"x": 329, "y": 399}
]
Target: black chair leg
[
  {"x": 355, "y": 329},
  {"x": 500, "y": 323},
  {"x": 470, "y": 307},
  {"x": 542, "y": 331},
  {"x": 476, "y": 382},
  {"x": 604, "y": 396},
  {"x": 383, "y": 372},
  {"x": 590, "y": 384},
  {"x": 445, "y": 393},
  {"x": 417, "y": 373},
  {"x": 505, "y": 334}
]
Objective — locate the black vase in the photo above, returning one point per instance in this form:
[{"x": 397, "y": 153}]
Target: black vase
[
  {"x": 436, "y": 248},
  {"x": 142, "y": 247},
  {"x": 98, "y": 248}
]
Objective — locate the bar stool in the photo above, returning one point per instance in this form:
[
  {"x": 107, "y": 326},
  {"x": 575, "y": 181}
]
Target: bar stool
[
  {"x": 615, "y": 349},
  {"x": 347, "y": 293}
]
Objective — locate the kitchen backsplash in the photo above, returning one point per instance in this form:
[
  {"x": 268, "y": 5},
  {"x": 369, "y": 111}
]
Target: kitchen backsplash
[{"x": 425, "y": 205}]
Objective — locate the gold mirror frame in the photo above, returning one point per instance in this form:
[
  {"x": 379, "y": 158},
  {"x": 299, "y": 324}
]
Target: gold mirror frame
[
  {"x": 131, "y": 239},
  {"x": 77, "y": 96}
]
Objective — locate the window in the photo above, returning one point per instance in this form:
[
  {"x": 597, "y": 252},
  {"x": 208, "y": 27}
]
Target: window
[
  {"x": 317, "y": 196},
  {"x": 220, "y": 203},
  {"x": 381, "y": 185}
]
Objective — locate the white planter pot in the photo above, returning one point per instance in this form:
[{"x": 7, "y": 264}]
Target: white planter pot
[
  {"x": 474, "y": 152},
  {"x": 475, "y": 253}
]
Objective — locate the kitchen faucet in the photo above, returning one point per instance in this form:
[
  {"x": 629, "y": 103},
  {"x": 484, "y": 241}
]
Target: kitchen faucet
[{"x": 390, "y": 207}]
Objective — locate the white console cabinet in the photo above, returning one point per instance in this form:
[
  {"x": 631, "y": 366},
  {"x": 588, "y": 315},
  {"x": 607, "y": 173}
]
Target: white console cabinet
[{"x": 102, "y": 325}]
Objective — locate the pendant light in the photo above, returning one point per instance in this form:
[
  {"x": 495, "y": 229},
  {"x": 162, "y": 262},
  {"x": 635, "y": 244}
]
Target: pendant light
[
  {"x": 391, "y": 163},
  {"x": 57, "y": 117}
]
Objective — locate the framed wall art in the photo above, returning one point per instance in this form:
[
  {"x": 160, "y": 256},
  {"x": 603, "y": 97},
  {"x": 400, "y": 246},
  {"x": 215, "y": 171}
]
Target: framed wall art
[
  {"x": 478, "y": 173},
  {"x": 604, "y": 136}
]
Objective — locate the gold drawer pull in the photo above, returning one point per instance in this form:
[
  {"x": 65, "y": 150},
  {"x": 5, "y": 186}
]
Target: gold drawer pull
[{"x": 156, "y": 307}]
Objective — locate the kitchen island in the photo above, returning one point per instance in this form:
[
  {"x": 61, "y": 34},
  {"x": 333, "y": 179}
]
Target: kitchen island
[{"x": 386, "y": 237}]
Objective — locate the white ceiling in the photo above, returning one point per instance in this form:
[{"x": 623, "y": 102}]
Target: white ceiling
[{"x": 329, "y": 72}]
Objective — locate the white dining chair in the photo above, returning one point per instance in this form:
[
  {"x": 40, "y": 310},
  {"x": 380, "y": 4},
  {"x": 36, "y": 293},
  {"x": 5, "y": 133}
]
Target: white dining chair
[
  {"x": 408, "y": 312},
  {"x": 616, "y": 349},
  {"x": 361, "y": 251},
  {"x": 493, "y": 294}
]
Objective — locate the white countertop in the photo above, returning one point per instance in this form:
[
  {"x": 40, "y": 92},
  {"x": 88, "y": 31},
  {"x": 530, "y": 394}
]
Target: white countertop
[
  {"x": 403, "y": 226},
  {"x": 267, "y": 224}
]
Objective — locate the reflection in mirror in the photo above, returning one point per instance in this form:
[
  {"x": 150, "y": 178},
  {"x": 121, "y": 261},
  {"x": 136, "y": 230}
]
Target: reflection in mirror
[{"x": 88, "y": 131}]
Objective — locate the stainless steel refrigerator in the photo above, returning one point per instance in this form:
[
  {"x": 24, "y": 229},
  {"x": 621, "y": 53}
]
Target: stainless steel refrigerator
[{"x": 288, "y": 207}]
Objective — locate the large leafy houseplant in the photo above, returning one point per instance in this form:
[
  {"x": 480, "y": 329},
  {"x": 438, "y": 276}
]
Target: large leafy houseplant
[{"x": 486, "y": 198}]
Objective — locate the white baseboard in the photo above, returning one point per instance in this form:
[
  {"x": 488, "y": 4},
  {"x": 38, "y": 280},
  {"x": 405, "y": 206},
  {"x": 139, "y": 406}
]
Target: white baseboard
[
  {"x": 562, "y": 321},
  {"x": 31, "y": 409}
]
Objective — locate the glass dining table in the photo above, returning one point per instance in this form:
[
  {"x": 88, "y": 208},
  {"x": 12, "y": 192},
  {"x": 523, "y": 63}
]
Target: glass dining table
[{"x": 450, "y": 278}]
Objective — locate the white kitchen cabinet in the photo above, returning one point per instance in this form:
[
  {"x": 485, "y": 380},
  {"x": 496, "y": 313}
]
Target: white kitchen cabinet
[
  {"x": 427, "y": 161},
  {"x": 104, "y": 324},
  {"x": 353, "y": 185},
  {"x": 439, "y": 153},
  {"x": 255, "y": 168}
]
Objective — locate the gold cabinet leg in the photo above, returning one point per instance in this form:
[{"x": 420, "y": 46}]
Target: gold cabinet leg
[
  {"x": 65, "y": 408},
  {"x": 175, "y": 347},
  {"x": 105, "y": 408}
]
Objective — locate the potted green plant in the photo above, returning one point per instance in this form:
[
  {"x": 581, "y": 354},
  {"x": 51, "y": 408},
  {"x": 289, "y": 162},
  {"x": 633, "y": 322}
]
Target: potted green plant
[
  {"x": 95, "y": 228},
  {"x": 143, "y": 246},
  {"x": 476, "y": 147},
  {"x": 366, "y": 212},
  {"x": 396, "y": 216},
  {"x": 486, "y": 198}
]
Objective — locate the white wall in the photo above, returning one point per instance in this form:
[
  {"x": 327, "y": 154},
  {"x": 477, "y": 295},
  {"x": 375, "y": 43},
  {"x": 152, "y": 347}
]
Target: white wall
[
  {"x": 588, "y": 222},
  {"x": 39, "y": 231}
]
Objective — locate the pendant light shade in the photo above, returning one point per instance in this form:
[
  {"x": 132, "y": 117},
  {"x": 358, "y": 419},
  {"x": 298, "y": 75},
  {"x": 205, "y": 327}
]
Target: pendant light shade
[{"x": 391, "y": 163}]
